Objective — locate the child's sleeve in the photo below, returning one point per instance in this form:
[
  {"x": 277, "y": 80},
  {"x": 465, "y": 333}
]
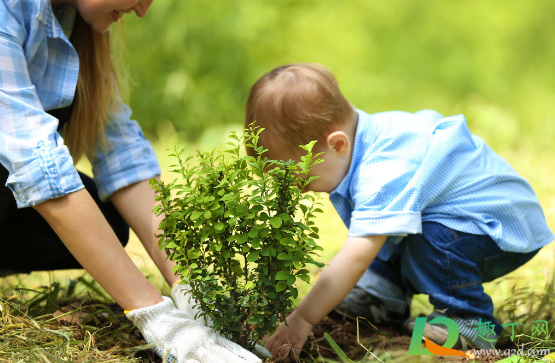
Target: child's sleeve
[{"x": 386, "y": 193}]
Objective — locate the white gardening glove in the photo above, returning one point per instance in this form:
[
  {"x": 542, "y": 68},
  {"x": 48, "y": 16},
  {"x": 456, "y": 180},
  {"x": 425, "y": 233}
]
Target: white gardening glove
[
  {"x": 180, "y": 296},
  {"x": 183, "y": 340}
]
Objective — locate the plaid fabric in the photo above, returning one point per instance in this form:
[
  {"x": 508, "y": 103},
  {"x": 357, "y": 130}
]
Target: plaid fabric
[
  {"x": 38, "y": 71},
  {"x": 408, "y": 168}
]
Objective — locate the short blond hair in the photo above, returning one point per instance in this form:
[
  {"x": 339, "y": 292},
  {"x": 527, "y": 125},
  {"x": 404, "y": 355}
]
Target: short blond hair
[{"x": 295, "y": 104}]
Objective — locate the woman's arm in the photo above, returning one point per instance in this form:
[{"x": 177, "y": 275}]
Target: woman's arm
[
  {"x": 135, "y": 203},
  {"x": 81, "y": 226},
  {"x": 88, "y": 236}
]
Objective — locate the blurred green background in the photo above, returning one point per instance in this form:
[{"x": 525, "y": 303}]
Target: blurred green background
[{"x": 192, "y": 62}]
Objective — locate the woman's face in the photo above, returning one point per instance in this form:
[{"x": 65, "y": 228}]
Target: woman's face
[{"x": 101, "y": 14}]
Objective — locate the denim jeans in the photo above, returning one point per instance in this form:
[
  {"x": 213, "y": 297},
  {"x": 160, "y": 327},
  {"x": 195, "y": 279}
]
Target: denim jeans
[
  {"x": 449, "y": 266},
  {"x": 28, "y": 243}
]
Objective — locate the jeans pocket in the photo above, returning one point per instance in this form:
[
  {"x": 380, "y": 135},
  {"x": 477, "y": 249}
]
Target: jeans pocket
[
  {"x": 504, "y": 263},
  {"x": 497, "y": 266}
]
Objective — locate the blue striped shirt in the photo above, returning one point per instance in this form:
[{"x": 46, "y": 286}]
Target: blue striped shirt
[
  {"x": 409, "y": 168},
  {"x": 38, "y": 73}
]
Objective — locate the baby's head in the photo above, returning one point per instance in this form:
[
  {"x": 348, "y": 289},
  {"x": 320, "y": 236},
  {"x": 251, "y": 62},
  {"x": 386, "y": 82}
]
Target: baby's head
[{"x": 296, "y": 104}]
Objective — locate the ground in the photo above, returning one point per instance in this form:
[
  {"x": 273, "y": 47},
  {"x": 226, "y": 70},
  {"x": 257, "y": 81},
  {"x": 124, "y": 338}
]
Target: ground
[{"x": 93, "y": 331}]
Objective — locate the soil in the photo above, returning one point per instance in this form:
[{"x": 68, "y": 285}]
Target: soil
[{"x": 380, "y": 340}]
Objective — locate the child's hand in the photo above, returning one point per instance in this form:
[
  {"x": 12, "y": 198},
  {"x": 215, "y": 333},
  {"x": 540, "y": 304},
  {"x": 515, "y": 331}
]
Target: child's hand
[{"x": 294, "y": 335}]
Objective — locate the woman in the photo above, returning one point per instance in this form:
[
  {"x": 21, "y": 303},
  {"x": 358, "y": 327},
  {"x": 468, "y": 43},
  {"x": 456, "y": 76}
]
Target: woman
[{"x": 57, "y": 78}]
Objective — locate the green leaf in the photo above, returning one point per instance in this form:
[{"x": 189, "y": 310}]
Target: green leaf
[
  {"x": 291, "y": 280},
  {"x": 304, "y": 277},
  {"x": 184, "y": 273},
  {"x": 231, "y": 203},
  {"x": 282, "y": 275},
  {"x": 195, "y": 215},
  {"x": 253, "y": 256},
  {"x": 286, "y": 217},
  {"x": 275, "y": 222},
  {"x": 171, "y": 245},
  {"x": 207, "y": 214},
  {"x": 242, "y": 238},
  {"x": 193, "y": 255},
  {"x": 283, "y": 256},
  {"x": 228, "y": 196},
  {"x": 263, "y": 233},
  {"x": 287, "y": 242},
  {"x": 175, "y": 268},
  {"x": 219, "y": 226},
  {"x": 280, "y": 286},
  {"x": 253, "y": 233},
  {"x": 265, "y": 251}
]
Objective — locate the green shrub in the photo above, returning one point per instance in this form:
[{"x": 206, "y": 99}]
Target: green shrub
[{"x": 241, "y": 237}]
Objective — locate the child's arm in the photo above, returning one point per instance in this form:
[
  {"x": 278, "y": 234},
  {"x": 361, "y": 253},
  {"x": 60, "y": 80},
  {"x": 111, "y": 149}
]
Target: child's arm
[{"x": 333, "y": 285}]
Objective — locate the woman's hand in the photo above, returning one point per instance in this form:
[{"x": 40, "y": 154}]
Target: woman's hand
[
  {"x": 181, "y": 339},
  {"x": 285, "y": 337},
  {"x": 185, "y": 302}
]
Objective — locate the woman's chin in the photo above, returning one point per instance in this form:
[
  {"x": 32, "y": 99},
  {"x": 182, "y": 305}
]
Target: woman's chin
[{"x": 102, "y": 26}]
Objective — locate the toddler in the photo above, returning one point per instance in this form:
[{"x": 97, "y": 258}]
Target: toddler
[{"x": 430, "y": 208}]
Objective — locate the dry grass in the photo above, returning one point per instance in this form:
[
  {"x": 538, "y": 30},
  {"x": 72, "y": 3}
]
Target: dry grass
[{"x": 52, "y": 324}]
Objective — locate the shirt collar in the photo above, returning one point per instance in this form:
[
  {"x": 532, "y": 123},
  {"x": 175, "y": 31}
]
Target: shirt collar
[
  {"x": 66, "y": 14},
  {"x": 60, "y": 25},
  {"x": 364, "y": 130},
  {"x": 44, "y": 13}
]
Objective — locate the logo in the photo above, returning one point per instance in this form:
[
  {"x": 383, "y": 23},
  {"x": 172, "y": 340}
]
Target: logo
[{"x": 432, "y": 348}]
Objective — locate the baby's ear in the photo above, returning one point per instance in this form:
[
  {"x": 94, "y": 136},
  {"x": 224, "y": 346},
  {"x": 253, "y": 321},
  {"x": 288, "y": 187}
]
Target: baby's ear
[{"x": 339, "y": 142}]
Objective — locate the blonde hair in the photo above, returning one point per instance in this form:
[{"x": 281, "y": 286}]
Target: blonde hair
[
  {"x": 296, "y": 103},
  {"x": 98, "y": 89}
]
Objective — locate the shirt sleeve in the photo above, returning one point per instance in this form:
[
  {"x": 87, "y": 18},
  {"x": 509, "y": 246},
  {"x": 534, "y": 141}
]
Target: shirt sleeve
[
  {"x": 128, "y": 157},
  {"x": 40, "y": 166},
  {"x": 387, "y": 194}
]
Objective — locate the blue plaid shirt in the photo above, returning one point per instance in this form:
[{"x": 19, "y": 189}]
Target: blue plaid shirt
[
  {"x": 38, "y": 72},
  {"x": 409, "y": 168}
]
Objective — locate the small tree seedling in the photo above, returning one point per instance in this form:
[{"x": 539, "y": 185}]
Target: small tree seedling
[{"x": 241, "y": 232}]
